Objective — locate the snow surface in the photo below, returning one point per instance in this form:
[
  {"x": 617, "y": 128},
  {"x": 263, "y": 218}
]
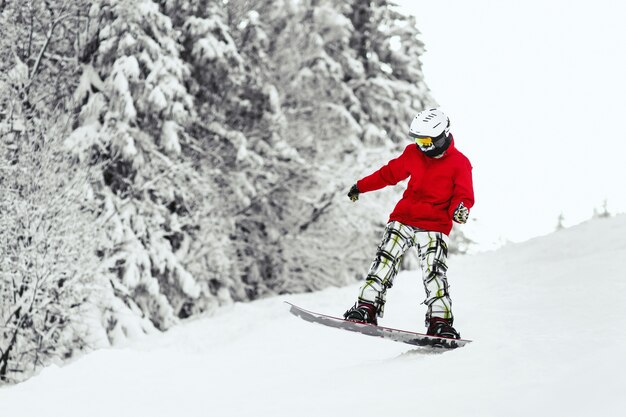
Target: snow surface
[{"x": 547, "y": 318}]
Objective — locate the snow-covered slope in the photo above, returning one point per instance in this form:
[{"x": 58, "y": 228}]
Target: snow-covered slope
[{"x": 547, "y": 317}]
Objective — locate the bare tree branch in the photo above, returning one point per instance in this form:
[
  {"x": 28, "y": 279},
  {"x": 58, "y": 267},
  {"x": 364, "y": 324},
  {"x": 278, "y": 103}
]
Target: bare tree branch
[{"x": 49, "y": 36}]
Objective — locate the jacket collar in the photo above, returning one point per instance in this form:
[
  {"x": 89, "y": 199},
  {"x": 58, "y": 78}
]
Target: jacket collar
[{"x": 451, "y": 149}]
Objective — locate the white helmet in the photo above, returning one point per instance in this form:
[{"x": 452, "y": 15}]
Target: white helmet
[{"x": 430, "y": 130}]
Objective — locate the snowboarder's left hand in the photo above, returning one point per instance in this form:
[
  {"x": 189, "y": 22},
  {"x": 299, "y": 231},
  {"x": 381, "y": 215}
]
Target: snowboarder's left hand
[
  {"x": 353, "y": 194},
  {"x": 461, "y": 214}
]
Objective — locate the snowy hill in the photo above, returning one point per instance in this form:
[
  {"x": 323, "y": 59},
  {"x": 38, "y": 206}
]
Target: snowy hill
[{"x": 547, "y": 318}]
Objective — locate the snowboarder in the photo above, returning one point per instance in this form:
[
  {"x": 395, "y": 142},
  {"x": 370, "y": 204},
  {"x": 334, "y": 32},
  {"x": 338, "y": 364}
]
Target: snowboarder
[{"x": 439, "y": 191}]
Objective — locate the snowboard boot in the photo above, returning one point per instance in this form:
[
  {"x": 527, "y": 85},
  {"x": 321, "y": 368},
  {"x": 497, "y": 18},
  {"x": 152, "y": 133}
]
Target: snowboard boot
[
  {"x": 362, "y": 313},
  {"x": 442, "y": 328}
]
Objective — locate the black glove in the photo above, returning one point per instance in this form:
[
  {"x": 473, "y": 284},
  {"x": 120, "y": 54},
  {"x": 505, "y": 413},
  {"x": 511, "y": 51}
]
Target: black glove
[
  {"x": 353, "y": 194},
  {"x": 461, "y": 214}
]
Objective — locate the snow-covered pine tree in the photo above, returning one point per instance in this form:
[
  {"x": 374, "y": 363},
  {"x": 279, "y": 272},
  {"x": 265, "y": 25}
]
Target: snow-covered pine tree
[
  {"x": 134, "y": 120},
  {"x": 393, "y": 88},
  {"x": 233, "y": 112}
]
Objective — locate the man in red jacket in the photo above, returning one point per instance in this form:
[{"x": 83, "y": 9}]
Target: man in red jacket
[{"x": 439, "y": 191}]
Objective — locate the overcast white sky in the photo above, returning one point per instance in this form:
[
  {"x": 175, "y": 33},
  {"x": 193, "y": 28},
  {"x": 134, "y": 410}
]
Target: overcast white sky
[{"x": 536, "y": 92}]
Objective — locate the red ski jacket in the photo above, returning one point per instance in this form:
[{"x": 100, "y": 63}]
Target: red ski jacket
[{"x": 436, "y": 187}]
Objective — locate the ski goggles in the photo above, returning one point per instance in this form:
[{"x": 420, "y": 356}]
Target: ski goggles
[{"x": 428, "y": 141}]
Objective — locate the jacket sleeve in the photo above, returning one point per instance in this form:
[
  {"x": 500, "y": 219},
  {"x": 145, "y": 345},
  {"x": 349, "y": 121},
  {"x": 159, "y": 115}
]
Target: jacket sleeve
[
  {"x": 463, "y": 191},
  {"x": 391, "y": 174}
]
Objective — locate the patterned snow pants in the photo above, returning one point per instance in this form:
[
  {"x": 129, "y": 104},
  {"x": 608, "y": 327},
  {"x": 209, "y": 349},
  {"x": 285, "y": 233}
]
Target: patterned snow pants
[{"x": 432, "y": 248}]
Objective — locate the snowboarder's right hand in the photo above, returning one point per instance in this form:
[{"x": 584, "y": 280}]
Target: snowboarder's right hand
[{"x": 353, "y": 194}]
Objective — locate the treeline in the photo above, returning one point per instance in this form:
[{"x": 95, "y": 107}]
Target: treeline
[{"x": 162, "y": 158}]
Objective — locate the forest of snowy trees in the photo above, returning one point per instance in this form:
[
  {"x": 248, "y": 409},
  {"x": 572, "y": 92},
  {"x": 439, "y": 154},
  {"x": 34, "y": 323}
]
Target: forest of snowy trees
[{"x": 161, "y": 158}]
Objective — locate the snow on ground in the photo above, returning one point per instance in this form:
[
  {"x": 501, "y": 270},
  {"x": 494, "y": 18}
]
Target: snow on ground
[{"x": 547, "y": 318}]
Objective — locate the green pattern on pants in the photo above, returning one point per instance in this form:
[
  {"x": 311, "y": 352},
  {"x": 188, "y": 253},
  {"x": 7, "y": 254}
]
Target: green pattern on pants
[{"x": 432, "y": 248}]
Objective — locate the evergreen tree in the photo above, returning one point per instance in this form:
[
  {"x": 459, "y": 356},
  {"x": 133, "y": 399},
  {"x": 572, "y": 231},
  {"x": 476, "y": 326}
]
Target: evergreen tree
[{"x": 152, "y": 194}]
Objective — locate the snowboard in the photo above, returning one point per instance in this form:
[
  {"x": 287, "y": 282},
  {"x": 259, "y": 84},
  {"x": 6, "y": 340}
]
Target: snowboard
[{"x": 396, "y": 335}]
